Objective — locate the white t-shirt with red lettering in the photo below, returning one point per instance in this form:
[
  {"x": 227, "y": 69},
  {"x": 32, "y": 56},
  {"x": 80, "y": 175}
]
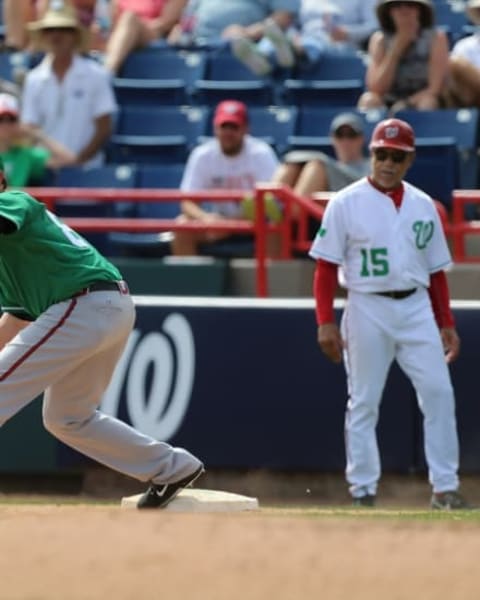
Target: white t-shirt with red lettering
[{"x": 208, "y": 168}]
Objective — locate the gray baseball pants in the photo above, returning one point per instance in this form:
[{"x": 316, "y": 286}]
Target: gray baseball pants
[{"x": 70, "y": 352}]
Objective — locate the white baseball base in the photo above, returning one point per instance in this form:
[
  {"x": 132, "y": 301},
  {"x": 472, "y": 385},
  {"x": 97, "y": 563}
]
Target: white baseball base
[{"x": 197, "y": 500}]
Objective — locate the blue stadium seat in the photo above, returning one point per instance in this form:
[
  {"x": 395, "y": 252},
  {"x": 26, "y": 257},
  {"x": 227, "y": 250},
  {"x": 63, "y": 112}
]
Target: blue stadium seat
[
  {"x": 460, "y": 127},
  {"x": 274, "y": 124},
  {"x": 153, "y": 134},
  {"x": 156, "y": 76},
  {"x": 435, "y": 169},
  {"x": 226, "y": 77},
  {"x": 452, "y": 18},
  {"x": 336, "y": 80},
  {"x": 313, "y": 126},
  {"x": 8, "y": 65},
  {"x": 158, "y": 176},
  {"x": 107, "y": 176}
]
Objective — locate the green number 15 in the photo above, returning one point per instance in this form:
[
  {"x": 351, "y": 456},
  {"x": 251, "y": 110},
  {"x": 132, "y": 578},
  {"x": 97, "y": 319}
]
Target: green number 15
[{"x": 374, "y": 262}]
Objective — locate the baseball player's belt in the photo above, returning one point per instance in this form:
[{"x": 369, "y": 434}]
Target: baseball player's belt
[
  {"x": 397, "y": 294},
  {"x": 104, "y": 286}
]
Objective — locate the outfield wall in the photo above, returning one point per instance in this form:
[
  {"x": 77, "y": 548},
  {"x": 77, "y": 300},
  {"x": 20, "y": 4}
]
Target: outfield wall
[{"x": 242, "y": 383}]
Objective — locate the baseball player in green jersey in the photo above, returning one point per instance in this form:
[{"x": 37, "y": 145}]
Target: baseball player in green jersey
[{"x": 67, "y": 315}]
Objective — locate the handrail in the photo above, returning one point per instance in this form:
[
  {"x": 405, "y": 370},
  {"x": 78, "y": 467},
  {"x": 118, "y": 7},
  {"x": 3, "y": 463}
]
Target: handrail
[
  {"x": 460, "y": 226},
  {"x": 259, "y": 227}
]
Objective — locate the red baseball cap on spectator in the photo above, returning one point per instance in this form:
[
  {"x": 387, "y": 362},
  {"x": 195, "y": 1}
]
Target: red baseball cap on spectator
[
  {"x": 9, "y": 105},
  {"x": 231, "y": 111}
]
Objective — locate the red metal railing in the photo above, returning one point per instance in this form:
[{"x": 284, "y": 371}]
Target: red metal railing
[
  {"x": 260, "y": 228},
  {"x": 460, "y": 226},
  {"x": 292, "y": 238}
]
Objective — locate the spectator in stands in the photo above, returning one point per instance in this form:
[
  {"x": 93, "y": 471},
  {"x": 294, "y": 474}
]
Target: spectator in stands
[
  {"x": 323, "y": 27},
  {"x": 17, "y": 13},
  {"x": 217, "y": 22},
  {"x": 25, "y": 163},
  {"x": 69, "y": 97},
  {"x": 464, "y": 81},
  {"x": 309, "y": 171},
  {"x": 233, "y": 160},
  {"x": 408, "y": 58},
  {"x": 137, "y": 23}
]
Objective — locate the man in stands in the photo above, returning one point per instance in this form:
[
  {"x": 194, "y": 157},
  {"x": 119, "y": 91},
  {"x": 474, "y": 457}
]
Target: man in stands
[{"x": 232, "y": 160}]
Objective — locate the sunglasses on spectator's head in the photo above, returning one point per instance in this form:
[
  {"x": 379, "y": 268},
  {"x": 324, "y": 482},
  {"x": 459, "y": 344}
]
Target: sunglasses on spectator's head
[
  {"x": 346, "y": 132},
  {"x": 396, "y": 156},
  {"x": 8, "y": 119}
]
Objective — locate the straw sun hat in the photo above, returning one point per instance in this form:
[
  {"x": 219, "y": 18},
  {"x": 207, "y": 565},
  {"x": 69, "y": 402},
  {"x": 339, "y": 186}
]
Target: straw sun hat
[{"x": 59, "y": 15}]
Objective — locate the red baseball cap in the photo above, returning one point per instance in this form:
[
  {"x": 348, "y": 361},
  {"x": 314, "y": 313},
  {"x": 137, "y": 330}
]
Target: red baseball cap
[
  {"x": 9, "y": 105},
  {"x": 393, "y": 133},
  {"x": 231, "y": 111}
]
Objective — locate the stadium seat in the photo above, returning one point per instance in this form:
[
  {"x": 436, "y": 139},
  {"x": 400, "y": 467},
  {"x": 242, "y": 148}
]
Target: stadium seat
[
  {"x": 107, "y": 176},
  {"x": 274, "y": 124},
  {"x": 153, "y": 134},
  {"x": 158, "y": 176},
  {"x": 336, "y": 80},
  {"x": 313, "y": 126},
  {"x": 156, "y": 76},
  {"x": 460, "y": 127},
  {"x": 435, "y": 170},
  {"x": 452, "y": 18},
  {"x": 9, "y": 63},
  {"x": 226, "y": 77}
]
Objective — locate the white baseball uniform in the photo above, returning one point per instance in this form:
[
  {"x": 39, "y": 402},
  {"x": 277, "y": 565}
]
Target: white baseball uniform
[{"x": 380, "y": 249}]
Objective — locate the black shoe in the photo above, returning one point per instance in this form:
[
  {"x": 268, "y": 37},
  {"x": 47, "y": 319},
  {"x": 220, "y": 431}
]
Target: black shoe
[
  {"x": 449, "y": 501},
  {"x": 158, "y": 495},
  {"x": 368, "y": 500}
]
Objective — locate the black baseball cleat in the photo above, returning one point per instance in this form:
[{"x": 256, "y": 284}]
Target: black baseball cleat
[
  {"x": 449, "y": 501},
  {"x": 158, "y": 495},
  {"x": 367, "y": 501}
]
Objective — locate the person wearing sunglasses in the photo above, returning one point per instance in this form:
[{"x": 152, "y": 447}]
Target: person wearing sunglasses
[
  {"x": 27, "y": 153},
  {"x": 408, "y": 58},
  {"x": 386, "y": 238},
  {"x": 309, "y": 171}
]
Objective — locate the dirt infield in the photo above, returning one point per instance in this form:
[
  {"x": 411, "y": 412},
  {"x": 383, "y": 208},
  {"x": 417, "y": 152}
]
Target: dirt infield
[{"x": 83, "y": 552}]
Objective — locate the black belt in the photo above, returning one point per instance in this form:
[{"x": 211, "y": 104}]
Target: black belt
[
  {"x": 397, "y": 294},
  {"x": 104, "y": 286}
]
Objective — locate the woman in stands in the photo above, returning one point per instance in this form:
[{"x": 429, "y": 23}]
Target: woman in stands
[
  {"x": 408, "y": 58},
  {"x": 136, "y": 23}
]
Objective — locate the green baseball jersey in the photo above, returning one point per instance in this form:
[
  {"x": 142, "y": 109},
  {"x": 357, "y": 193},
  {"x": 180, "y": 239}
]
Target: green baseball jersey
[{"x": 43, "y": 261}]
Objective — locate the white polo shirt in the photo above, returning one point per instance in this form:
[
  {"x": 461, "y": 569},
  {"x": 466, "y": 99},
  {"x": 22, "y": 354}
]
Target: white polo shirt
[{"x": 66, "y": 110}]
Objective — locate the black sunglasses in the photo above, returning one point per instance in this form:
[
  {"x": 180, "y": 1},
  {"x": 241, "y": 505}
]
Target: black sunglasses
[
  {"x": 346, "y": 133},
  {"x": 396, "y": 156}
]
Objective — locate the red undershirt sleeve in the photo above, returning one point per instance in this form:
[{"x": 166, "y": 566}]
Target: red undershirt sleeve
[
  {"x": 324, "y": 286},
  {"x": 440, "y": 299}
]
